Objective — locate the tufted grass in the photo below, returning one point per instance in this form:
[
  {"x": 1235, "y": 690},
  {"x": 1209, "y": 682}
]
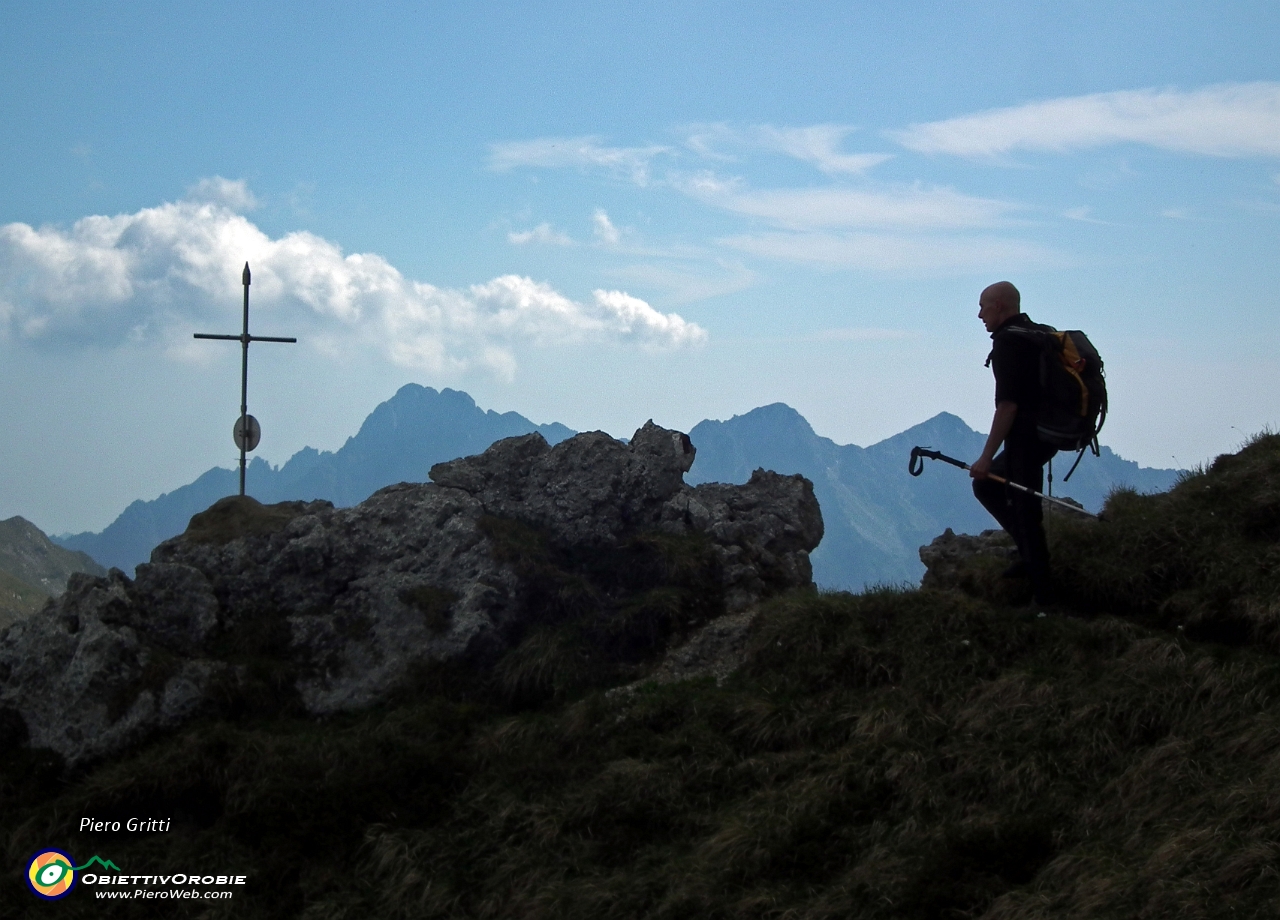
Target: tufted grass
[
  {"x": 1203, "y": 556},
  {"x": 238, "y": 516},
  {"x": 897, "y": 754}
]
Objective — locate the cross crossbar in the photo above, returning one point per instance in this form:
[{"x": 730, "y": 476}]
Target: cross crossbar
[{"x": 240, "y": 338}]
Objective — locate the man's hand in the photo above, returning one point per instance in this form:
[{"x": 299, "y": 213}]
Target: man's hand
[{"x": 980, "y": 468}]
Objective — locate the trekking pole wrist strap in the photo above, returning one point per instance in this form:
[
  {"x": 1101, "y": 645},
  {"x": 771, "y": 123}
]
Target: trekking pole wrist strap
[{"x": 916, "y": 465}]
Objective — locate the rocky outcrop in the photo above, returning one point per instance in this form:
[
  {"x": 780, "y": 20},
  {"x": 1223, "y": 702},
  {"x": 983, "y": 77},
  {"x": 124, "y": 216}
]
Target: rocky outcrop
[
  {"x": 85, "y": 682},
  {"x": 962, "y": 561},
  {"x": 949, "y": 559},
  {"x": 322, "y": 609}
]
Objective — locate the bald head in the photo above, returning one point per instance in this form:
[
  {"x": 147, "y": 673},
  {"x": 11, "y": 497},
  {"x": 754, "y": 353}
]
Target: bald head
[{"x": 998, "y": 303}]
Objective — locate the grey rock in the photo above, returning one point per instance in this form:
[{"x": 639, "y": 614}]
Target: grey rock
[
  {"x": 950, "y": 555},
  {"x": 181, "y": 611},
  {"x": 590, "y": 488},
  {"x": 763, "y": 531},
  {"x": 349, "y": 601},
  {"x": 83, "y": 681}
]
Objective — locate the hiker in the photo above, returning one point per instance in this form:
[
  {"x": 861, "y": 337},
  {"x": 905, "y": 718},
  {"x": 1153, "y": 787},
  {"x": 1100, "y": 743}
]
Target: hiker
[{"x": 1015, "y": 362}]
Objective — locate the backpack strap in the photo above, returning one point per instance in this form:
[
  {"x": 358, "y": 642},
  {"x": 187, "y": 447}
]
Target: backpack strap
[{"x": 1079, "y": 457}]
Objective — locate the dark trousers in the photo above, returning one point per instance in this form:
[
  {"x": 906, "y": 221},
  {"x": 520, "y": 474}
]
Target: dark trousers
[{"x": 1021, "y": 515}]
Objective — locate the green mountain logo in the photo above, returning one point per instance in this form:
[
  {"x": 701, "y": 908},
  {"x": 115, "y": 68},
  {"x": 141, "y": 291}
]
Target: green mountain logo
[{"x": 106, "y": 864}]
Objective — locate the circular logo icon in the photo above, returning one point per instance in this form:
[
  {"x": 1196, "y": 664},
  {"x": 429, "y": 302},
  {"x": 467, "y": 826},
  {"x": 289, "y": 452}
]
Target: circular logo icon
[{"x": 50, "y": 874}]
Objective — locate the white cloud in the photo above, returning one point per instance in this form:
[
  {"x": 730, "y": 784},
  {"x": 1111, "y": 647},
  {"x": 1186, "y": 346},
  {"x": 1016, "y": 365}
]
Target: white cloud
[
  {"x": 912, "y": 206},
  {"x": 630, "y": 163},
  {"x": 543, "y": 233},
  {"x": 1229, "y": 120},
  {"x": 898, "y": 253},
  {"x": 605, "y": 231},
  {"x": 1084, "y": 214},
  {"x": 634, "y": 319},
  {"x": 1176, "y": 214},
  {"x": 688, "y": 284},
  {"x": 233, "y": 193},
  {"x": 816, "y": 144},
  {"x": 706, "y": 139},
  {"x": 162, "y": 273}
]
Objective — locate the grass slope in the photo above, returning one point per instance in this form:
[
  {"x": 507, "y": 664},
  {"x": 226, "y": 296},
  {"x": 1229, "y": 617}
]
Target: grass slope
[{"x": 896, "y": 754}]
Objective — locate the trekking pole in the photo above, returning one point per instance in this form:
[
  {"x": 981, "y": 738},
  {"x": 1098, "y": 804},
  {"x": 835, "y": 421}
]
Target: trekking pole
[{"x": 916, "y": 466}]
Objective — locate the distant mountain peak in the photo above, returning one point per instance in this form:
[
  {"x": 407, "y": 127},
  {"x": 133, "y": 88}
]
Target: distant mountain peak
[
  {"x": 940, "y": 429},
  {"x": 28, "y": 555},
  {"x": 777, "y": 415}
]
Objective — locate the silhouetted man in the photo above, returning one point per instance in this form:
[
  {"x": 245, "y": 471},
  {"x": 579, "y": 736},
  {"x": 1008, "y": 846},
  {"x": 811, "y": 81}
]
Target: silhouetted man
[{"x": 1015, "y": 361}]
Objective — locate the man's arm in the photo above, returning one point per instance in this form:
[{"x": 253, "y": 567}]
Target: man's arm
[{"x": 1001, "y": 424}]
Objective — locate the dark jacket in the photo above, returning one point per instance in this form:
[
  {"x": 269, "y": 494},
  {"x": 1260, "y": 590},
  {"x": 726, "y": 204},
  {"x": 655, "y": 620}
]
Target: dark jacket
[{"x": 1015, "y": 362}]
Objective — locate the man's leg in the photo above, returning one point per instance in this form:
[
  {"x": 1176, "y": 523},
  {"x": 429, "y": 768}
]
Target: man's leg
[
  {"x": 1026, "y": 467},
  {"x": 994, "y": 496}
]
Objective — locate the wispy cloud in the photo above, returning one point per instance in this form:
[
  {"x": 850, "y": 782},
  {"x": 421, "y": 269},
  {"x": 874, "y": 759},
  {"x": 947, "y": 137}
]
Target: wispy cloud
[
  {"x": 587, "y": 152},
  {"x": 543, "y": 233},
  {"x": 1228, "y": 120},
  {"x": 898, "y": 252},
  {"x": 604, "y": 229},
  {"x": 161, "y": 273},
  {"x": 816, "y": 144},
  {"x": 688, "y": 283},
  {"x": 1084, "y": 214},
  {"x": 914, "y": 206},
  {"x": 853, "y": 222}
]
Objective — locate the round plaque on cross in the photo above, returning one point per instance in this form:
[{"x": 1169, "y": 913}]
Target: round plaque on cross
[{"x": 247, "y": 432}]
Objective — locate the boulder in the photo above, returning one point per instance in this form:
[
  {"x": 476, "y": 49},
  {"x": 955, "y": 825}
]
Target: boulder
[
  {"x": 324, "y": 610},
  {"x": 949, "y": 560}
]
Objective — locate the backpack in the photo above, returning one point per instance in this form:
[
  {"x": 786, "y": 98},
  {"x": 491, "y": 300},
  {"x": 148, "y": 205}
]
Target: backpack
[{"x": 1073, "y": 389}]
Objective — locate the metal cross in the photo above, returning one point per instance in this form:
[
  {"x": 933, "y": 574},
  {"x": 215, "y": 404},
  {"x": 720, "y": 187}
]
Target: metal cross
[{"x": 247, "y": 430}]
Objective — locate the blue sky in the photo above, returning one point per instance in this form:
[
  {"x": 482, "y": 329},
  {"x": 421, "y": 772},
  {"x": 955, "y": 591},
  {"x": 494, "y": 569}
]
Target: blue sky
[{"x": 601, "y": 213}]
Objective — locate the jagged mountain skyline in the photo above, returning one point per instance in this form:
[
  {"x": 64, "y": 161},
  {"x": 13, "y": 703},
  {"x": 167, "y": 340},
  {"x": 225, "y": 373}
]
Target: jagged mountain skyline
[{"x": 877, "y": 516}]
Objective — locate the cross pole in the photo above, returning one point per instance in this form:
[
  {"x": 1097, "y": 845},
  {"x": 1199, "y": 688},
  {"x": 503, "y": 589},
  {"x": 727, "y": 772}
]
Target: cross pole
[{"x": 244, "y": 339}]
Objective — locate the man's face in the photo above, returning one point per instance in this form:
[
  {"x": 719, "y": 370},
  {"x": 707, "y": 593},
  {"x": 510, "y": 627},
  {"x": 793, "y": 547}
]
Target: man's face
[{"x": 992, "y": 312}]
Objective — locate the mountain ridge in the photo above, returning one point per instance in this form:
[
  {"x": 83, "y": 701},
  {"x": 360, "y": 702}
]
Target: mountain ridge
[
  {"x": 877, "y": 515},
  {"x": 309, "y": 474},
  {"x": 34, "y": 568}
]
